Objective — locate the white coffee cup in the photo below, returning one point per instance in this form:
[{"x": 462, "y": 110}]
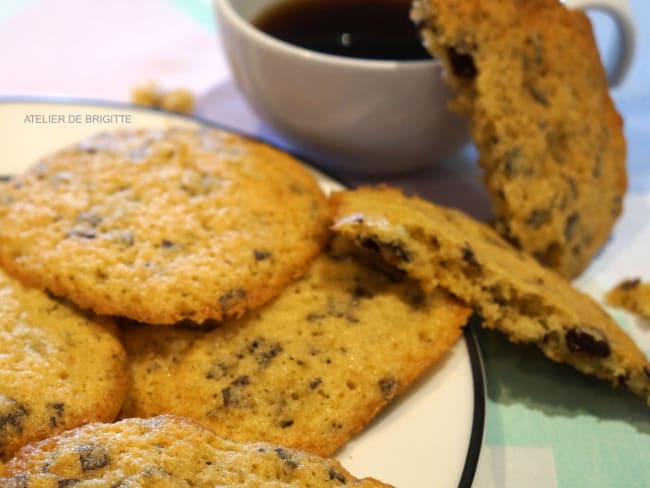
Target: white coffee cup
[{"x": 352, "y": 115}]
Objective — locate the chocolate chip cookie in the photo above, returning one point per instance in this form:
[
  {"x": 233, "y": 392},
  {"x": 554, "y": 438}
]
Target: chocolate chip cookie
[
  {"x": 163, "y": 225},
  {"x": 509, "y": 289},
  {"x": 167, "y": 451},
  {"x": 308, "y": 370},
  {"x": 527, "y": 74},
  {"x": 58, "y": 367}
]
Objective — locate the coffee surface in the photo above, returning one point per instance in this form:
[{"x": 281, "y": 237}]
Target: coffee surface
[{"x": 371, "y": 29}]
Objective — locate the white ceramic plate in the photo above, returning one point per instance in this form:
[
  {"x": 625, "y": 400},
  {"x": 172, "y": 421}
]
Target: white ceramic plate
[{"x": 430, "y": 437}]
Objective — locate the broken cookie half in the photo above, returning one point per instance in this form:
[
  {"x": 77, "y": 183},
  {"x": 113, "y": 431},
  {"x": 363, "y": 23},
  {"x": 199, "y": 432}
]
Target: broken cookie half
[
  {"x": 510, "y": 290},
  {"x": 528, "y": 76}
]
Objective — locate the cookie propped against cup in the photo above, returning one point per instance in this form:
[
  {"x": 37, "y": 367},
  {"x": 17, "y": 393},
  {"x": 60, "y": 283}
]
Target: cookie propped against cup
[{"x": 528, "y": 76}]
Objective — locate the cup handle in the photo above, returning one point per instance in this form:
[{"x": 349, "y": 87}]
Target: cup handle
[{"x": 619, "y": 10}]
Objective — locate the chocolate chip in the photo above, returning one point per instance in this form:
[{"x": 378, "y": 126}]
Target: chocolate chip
[
  {"x": 576, "y": 250},
  {"x": 629, "y": 284},
  {"x": 314, "y": 316},
  {"x": 581, "y": 340},
  {"x": 369, "y": 243},
  {"x": 265, "y": 356},
  {"x": 538, "y": 217},
  {"x": 335, "y": 475},
  {"x": 571, "y": 226},
  {"x": 497, "y": 295},
  {"x": 359, "y": 291},
  {"x": 286, "y": 457},
  {"x": 550, "y": 256},
  {"x": 398, "y": 251},
  {"x": 393, "y": 249},
  {"x": 166, "y": 244},
  {"x": 539, "y": 95},
  {"x": 83, "y": 233},
  {"x": 387, "y": 385},
  {"x": 462, "y": 65},
  {"x": 472, "y": 264},
  {"x": 227, "y": 397},
  {"x": 58, "y": 407},
  {"x": 231, "y": 297},
  {"x": 510, "y": 164},
  {"x": 261, "y": 255},
  {"x": 93, "y": 456},
  {"x": 63, "y": 483},
  {"x": 241, "y": 381},
  {"x": 557, "y": 142},
  {"x": 217, "y": 371},
  {"x": 233, "y": 396},
  {"x": 469, "y": 256},
  {"x": 264, "y": 351},
  {"x": 57, "y": 411},
  {"x": 12, "y": 416}
]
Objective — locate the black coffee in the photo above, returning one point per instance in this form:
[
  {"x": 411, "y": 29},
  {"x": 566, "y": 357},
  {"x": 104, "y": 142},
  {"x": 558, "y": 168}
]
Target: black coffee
[{"x": 371, "y": 29}]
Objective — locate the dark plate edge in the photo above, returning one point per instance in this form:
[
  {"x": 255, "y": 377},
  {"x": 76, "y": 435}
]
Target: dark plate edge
[
  {"x": 478, "y": 421},
  {"x": 476, "y": 362}
]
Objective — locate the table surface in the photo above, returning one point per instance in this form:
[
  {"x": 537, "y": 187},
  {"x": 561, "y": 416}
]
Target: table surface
[{"x": 546, "y": 425}]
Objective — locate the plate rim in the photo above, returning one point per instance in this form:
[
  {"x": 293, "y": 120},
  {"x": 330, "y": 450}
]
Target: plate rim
[{"x": 477, "y": 366}]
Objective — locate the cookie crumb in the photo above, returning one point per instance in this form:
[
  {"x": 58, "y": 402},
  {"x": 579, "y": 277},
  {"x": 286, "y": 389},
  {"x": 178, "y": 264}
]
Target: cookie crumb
[
  {"x": 632, "y": 295},
  {"x": 152, "y": 95}
]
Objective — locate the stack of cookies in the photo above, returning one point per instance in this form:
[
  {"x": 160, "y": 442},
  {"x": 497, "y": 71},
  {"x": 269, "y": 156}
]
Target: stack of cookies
[
  {"x": 175, "y": 274},
  {"x": 190, "y": 273}
]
